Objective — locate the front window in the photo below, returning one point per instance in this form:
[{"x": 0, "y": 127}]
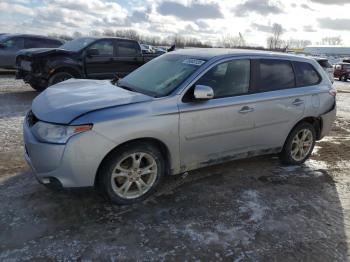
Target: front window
[
  {"x": 104, "y": 47},
  {"x": 77, "y": 44},
  {"x": 162, "y": 75}
]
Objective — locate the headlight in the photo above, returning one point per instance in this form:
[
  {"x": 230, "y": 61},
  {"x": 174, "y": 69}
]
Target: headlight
[{"x": 58, "y": 134}]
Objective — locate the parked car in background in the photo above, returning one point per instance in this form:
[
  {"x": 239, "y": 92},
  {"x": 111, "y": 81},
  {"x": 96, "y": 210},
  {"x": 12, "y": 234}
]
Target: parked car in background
[
  {"x": 86, "y": 57},
  {"x": 342, "y": 71},
  {"x": 160, "y": 50},
  {"x": 147, "y": 49},
  {"x": 10, "y": 44},
  {"x": 181, "y": 111},
  {"x": 324, "y": 63}
]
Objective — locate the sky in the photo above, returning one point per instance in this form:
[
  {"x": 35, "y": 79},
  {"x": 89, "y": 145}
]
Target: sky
[{"x": 207, "y": 20}]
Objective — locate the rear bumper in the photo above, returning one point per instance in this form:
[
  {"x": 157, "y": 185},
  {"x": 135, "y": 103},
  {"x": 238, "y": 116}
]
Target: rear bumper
[{"x": 328, "y": 120}]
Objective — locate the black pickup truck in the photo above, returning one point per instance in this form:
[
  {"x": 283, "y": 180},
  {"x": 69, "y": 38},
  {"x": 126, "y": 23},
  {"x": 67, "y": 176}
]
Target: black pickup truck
[{"x": 86, "y": 57}]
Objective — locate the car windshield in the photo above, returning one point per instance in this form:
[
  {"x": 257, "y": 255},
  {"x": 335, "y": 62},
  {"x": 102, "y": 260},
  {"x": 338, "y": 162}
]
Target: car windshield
[
  {"x": 77, "y": 44},
  {"x": 162, "y": 75}
]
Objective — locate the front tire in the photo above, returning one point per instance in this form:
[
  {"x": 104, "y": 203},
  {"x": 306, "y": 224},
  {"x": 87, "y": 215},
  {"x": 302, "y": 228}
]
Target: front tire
[
  {"x": 131, "y": 173},
  {"x": 299, "y": 144},
  {"x": 343, "y": 78},
  {"x": 59, "y": 77}
]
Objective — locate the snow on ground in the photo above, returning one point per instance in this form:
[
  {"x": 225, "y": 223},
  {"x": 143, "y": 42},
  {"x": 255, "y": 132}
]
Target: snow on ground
[{"x": 247, "y": 210}]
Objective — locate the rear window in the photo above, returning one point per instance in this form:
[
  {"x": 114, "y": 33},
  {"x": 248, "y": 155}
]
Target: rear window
[
  {"x": 324, "y": 63},
  {"x": 306, "y": 74},
  {"x": 275, "y": 75},
  {"x": 126, "y": 49}
]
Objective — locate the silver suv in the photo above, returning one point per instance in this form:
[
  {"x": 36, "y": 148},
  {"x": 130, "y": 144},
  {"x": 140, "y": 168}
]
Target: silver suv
[{"x": 184, "y": 110}]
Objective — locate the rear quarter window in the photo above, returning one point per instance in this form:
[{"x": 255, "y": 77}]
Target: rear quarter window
[
  {"x": 324, "y": 63},
  {"x": 275, "y": 75},
  {"x": 306, "y": 74}
]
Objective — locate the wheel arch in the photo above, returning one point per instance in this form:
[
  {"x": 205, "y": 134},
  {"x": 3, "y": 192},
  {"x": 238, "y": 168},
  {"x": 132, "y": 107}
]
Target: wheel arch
[
  {"x": 148, "y": 140},
  {"x": 70, "y": 69},
  {"x": 316, "y": 122}
]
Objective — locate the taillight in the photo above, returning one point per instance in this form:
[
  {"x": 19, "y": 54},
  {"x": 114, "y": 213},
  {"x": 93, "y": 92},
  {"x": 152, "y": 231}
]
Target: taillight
[{"x": 333, "y": 91}]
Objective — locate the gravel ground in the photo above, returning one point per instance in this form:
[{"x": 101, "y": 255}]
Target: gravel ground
[{"x": 248, "y": 210}]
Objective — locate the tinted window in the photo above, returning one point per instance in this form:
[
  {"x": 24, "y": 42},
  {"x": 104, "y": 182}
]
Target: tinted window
[
  {"x": 104, "y": 47},
  {"x": 324, "y": 63},
  {"x": 228, "y": 79},
  {"x": 128, "y": 49},
  {"x": 346, "y": 67},
  {"x": 15, "y": 43},
  {"x": 51, "y": 43},
  {"x": 306, "y": 74},
  {"x": 275, "y": 75}
]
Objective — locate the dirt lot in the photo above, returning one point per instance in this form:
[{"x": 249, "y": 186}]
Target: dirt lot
[{"x": 250, "y": 210}]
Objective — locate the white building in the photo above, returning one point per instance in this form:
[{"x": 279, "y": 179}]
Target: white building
[{"x": 327, "y": 50}]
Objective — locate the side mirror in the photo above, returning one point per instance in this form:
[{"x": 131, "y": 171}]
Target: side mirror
[
  {"x": 92, "y": 52},
  {"x": 203, "y": 92}
]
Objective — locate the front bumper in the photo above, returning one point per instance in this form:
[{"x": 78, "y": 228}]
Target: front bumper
[{"x": 74, "y": 164}]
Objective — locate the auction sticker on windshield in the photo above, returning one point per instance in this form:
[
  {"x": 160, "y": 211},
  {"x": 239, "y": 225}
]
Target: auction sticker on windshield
[{"x": 192, "y": 61}]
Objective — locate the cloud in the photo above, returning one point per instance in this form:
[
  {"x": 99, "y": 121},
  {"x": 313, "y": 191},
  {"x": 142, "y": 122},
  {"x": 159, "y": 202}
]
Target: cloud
[
  {"x": 262, "y": 7},
  {"x": 305, "y": 6},
  {"x": 342, "y": 24},
  {"x": 309, "y": 28},
  {"x": 262, "y": 28},
  {"x": 331, "y": 2},
  {"x": 190, "y": 12}
]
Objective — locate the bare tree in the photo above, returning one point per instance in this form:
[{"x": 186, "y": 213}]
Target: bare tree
[
  {"x": 108, "y": 32},
  {"x": 297, "y": 43},
  {"x": 230, "y": 41},
  {"x": 77, "y": 34},
  {"x": 274, "y": 41},
  {"x": 335, "y": 40}
]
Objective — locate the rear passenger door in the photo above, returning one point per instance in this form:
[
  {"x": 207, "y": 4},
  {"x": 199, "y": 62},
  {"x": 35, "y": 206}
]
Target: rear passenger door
[
  {"x": 129, "y": 57},
  {"x": 278, "y": 103}
]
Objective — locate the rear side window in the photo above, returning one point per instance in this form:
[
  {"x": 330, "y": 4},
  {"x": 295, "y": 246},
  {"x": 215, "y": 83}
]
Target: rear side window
[
  {"x": 306, "y": 74},
  {"x": 275, "y": 75},
  {"x": 127, "y": 48},
  {"x": 324, "y": 63}
]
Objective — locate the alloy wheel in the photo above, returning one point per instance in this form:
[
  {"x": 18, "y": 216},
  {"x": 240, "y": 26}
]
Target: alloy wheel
[
  {"x": 302, "y": 144},
  {"x": 134, "y": 175}
]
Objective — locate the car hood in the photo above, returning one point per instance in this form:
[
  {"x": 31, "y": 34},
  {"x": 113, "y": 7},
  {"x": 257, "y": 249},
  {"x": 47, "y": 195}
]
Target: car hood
[
  {"x": 65, "y": 101},
  {"x": 34, "y": 52}
]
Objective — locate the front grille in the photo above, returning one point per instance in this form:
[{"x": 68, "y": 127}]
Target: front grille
[{"x": 31, "y": 119}]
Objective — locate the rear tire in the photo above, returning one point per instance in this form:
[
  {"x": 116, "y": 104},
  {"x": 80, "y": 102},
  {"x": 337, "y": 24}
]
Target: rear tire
[
  {"x": 59, "y": 77},
  {"x": 343, "y": 78},
  {"x": 131, "y": 173},
  {"x": 299, "y": 144}
]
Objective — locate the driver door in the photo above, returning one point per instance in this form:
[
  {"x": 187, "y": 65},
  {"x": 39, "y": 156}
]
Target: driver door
[
  {"x": 103, "y": 64},
  {"x": 220, "y": 128}
]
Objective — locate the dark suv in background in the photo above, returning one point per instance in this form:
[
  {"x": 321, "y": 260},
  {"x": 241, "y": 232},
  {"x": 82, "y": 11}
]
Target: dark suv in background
[
  {"x": 10, "y": 44},
  {"x": 85, "y": 57}
]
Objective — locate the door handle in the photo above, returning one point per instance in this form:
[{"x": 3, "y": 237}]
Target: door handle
[
  {"x": 298, "y": 102},
  {"x": 246, "y": 109}
]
